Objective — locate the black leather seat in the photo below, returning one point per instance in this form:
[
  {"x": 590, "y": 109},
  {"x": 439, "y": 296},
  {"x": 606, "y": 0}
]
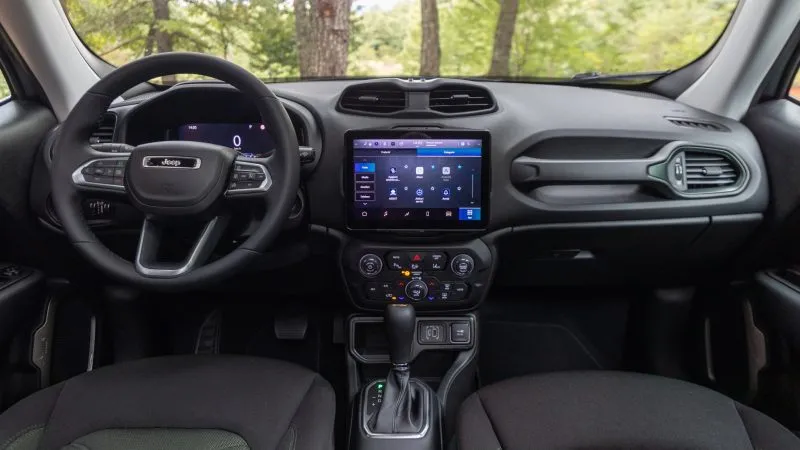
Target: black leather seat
[
  {"x": 181, "y": 403},
  {"x": 609, "y": 410}
]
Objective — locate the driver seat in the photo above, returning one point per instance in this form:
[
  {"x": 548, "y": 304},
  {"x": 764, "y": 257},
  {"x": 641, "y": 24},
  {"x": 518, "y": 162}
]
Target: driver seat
[{"x": 178, "y": 403}]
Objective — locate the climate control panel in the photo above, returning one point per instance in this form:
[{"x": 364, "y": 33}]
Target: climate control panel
[{"x": 435, "y": 278}]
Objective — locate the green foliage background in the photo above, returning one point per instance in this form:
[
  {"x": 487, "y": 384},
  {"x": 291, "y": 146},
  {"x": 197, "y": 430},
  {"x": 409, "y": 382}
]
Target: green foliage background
[{"x": 553, "y": 38}]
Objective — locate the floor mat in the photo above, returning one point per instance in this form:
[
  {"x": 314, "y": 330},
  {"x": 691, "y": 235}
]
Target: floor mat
[{"x": 523, "y": 334}]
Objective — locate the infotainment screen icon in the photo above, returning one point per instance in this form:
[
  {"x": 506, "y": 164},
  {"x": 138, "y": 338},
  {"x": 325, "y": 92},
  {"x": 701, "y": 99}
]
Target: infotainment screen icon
[{"x": 418, "y": 180}]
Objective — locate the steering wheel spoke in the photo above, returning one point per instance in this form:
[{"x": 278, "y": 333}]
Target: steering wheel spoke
[
  {"x": 102, "y": 174},
  {"x": 150, "y": 241},
  {"x": 250, "y": 178}
]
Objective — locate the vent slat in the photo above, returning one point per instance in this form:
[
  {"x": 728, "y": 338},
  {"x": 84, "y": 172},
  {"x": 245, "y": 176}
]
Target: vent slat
[
  {"x": 707, "y": 171},
  {"x": 104, "y": 133},
  {"x": 380, "y": 99},
  {"x": 710, "y": 182},
  {"x": 459, "y": 100}
]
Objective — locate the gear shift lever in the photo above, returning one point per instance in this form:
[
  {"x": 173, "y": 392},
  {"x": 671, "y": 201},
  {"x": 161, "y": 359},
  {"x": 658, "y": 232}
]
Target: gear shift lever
[
  {"x": 402, "y": 410},
  {"x": 400, "y": 321}
]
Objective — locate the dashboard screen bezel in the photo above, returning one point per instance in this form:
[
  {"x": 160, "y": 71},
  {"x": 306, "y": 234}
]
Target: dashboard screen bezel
[{"x": 356, "y": 223}]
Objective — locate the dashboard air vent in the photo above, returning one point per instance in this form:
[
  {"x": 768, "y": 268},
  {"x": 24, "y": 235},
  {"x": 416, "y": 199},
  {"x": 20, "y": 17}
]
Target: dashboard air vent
[
  {"x": 701, "y": 125},
  {"x": 710, "y": 171},
  {"x": 380, "y": 99},
  {"x": 104, "y": 133},
  {"x": 458, "y": 99}
]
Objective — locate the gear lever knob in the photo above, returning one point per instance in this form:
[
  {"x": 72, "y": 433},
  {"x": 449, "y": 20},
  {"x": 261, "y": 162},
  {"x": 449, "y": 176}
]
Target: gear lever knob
[{"x": 400, "y": 321}]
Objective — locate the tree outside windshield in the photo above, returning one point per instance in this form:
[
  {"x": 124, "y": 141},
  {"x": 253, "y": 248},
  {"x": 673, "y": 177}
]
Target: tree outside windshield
[{"x": 279, "y": 39}]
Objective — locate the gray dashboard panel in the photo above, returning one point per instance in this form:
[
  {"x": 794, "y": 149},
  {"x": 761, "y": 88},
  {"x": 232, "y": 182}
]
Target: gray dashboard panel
[{"x": 531, "y": 113}]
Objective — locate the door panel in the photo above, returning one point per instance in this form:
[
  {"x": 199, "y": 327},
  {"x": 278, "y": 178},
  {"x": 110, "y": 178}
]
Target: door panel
[{"x": 23, "y": 125}]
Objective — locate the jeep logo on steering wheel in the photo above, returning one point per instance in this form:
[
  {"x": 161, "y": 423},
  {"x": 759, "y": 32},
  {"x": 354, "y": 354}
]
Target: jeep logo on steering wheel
[{"x": 171, "y": 162}]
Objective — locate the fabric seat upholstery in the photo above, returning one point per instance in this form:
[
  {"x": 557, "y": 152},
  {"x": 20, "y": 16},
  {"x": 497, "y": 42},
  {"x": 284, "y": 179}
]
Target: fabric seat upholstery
[
  {"x": 611, "y": 410},
  {"x": 184, "y": 402}
]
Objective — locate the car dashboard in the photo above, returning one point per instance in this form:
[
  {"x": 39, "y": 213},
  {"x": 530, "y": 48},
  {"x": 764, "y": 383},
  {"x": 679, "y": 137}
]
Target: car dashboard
[{"x": 579, "y": 185}]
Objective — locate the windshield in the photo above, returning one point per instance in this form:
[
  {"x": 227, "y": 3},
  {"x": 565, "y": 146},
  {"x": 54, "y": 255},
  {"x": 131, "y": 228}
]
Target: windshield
[{"x": 502, "y": 39}]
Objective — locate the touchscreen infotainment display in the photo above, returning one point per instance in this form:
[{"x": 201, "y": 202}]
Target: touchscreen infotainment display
[{"x": 430, "y": 180}]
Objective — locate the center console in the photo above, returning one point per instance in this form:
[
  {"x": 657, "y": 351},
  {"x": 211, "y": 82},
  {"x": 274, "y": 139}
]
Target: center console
[
  {"x": 417, "y": 200},
  {"x": 411, "y": 183}
]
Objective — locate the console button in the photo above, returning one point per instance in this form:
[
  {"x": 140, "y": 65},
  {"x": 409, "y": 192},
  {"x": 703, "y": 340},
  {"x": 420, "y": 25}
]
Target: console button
[
  {"x": 416, "y": 290},
  {"x": 416, "y": 261},
  {"x": 431, "y": 333},
  {"x": 446, "y": 285},
  {"x": 370, "y": 265},
  {"x": 460, "y": 333},
  {"x": 432, "y": 283},
  {"x": 397, "y": 260},
  {"x": 445, "y": 296},
  {"x": 436, "y": 261},
  {"x": 373, "y": 291},
  {"x": 462, "y": 265},
  {"x": 416, "y": 257},
  {"x": 459, "y": 292}
]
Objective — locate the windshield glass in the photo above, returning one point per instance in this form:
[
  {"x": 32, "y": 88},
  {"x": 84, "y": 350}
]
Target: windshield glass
[{"x": 504, "y": 39}]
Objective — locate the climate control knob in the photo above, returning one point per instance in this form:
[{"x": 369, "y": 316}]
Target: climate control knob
[
  {"x": 416, "y": 290},
  {"x": 462, "y": 265},
  {"x": 370, "y": 265}
]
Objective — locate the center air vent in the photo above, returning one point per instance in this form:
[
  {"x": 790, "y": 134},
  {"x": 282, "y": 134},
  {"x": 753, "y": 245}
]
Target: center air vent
[
  {"x": 104, "y": 133},
  {"x": 374, "y": 98},
  {"x": 460, "y": 99}
]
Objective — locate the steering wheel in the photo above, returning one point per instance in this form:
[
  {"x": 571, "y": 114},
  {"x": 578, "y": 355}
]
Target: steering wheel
[{"x": 174, "y": 180}]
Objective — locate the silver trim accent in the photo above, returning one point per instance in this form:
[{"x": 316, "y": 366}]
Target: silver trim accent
[
  {"x": 380, "y": 266},
  {"x": 471, "y": 260},
  {"x": 79, "y": 180},
  {"x": 92, "y": 343},
  {"x": 42, "y": 342},
  {"x": 146, "y": 159},
  {"x": 426, "y": 418},
  {"x": 264, "y": 187},
  {"x": 461, "y": 362},
  {"x": 197, "y": 252}
]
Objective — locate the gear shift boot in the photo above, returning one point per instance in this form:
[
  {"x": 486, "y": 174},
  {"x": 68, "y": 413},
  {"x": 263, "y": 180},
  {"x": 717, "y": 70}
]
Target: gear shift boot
[{"x": 403, "y": 406}]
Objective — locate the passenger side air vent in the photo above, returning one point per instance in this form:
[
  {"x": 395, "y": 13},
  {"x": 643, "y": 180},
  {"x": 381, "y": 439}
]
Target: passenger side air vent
[
  {"x": 711, "y": 171},
  {"x": 104, "y": 133},
  {"x": 373, "y": 98},
  {"x": 698, "y": 124},
  {"x": 461, "y": 99}
]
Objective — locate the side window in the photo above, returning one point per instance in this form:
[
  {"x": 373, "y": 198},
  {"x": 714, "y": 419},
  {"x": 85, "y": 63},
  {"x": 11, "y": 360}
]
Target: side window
[
  {"x": 794, "y": 89},
  {"x": 5, "y": 89}
]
